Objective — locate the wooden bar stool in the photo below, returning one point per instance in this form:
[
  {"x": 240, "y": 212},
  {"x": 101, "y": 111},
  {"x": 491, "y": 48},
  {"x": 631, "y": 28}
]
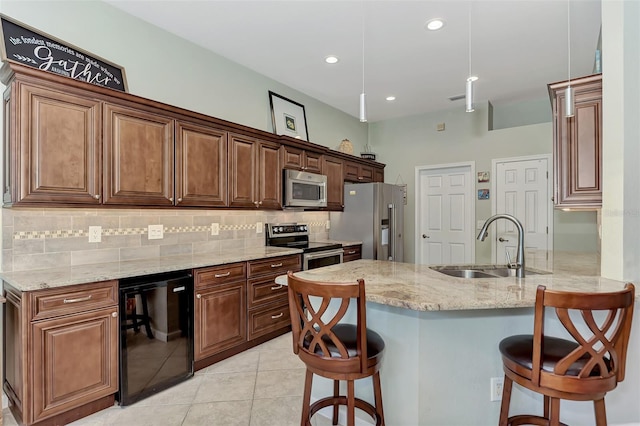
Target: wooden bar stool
[
  {"x": 332, "y": 350},
  {"x": 583, "y": 369}
]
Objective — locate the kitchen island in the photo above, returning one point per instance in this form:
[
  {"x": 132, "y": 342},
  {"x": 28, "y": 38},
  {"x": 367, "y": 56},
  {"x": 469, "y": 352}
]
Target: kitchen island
[{"x": 442, "y": 336}]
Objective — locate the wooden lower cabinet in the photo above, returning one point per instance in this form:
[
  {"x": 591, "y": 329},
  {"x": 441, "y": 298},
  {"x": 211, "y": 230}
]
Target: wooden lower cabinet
[
  {"x": 220, "y": 309},
  {"x": 63, "y": 365},
  {"x": 352, "y": 253}
]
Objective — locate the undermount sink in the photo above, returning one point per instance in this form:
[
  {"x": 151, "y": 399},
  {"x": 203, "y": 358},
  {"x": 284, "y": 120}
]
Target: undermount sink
[{"x": 480, "y": 271}]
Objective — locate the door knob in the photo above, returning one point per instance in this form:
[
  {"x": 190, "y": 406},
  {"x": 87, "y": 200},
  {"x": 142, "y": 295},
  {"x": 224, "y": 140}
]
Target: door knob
[
  {"x": 425, "y": 236},
  {"x": 502, "y": 240}
]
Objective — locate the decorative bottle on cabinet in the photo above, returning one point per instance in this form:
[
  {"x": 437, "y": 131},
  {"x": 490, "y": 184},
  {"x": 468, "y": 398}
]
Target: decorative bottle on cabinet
[{"x": 577, "y": 140}]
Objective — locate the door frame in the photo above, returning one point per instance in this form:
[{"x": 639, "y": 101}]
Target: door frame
[
  {"x": 471, "y": 165},
  {"x": 494, "y": 169}
]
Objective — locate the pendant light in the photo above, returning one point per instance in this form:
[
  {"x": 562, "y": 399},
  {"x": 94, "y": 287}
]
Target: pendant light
[
  {"x": 470, "y": 78},
  {"x": 569, "y": 104},
  {"x": 363, "y": 96}
]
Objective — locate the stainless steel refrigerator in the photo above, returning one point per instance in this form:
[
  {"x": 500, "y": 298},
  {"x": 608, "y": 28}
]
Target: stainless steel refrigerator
[{"x": 374, "y": 214}]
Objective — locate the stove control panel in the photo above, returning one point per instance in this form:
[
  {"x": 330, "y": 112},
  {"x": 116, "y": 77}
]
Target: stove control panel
[{"x": 286, "y": 229}]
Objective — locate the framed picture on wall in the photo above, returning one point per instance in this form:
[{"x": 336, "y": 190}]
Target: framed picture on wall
[
  {"x": 483, "y": 194},
  {"x": 288, "y": 117}
]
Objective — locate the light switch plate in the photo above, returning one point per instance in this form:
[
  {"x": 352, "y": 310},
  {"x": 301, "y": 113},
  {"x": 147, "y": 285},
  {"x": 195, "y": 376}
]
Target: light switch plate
[
  {"x": 156, "y": 232},
  {"x": 259, "y": 226},
  {"x": 215, "y": 228},
  {"x": 95, "y": 234}
]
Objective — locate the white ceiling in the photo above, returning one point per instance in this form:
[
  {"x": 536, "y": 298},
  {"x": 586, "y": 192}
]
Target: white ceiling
[{"x": 517, "y": 47}]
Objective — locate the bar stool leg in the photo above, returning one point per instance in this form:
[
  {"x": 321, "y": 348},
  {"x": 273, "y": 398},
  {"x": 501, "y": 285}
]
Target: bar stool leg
[
  {"x": 601, "y": 413},
  {"x": 145, "y": 313},
  {"x": 306, "y": 399},
  {"x": 554, "y": 412},
  {"x": 377, "y": 393},
  {"x": 351, "y": 403},
  {"x": 506, "y": 401},
  {"x": 336, "y": 406}
]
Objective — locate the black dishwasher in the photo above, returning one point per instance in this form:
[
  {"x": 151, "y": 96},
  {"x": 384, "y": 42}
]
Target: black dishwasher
[{"x": 156, "y": 333}]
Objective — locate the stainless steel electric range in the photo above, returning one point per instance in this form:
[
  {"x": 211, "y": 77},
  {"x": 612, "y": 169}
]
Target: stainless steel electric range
[{"x": 295, "y": 235}]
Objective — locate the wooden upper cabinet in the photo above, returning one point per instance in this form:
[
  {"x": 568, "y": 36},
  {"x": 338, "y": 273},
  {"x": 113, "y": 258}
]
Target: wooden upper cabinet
[
  {"x": 55, "y": 148},
  {"x": 335, "y": 182},
  {"x": 378, "y": 174},
  {"x": 201, "y": 166},
  {"x": 255, "y": 178},
  {"x": 300, "y": 159},
  {"x": 578, "y": 144},
  {"x": 138, "y": 147},
  {"x": 357, "y": 172}
]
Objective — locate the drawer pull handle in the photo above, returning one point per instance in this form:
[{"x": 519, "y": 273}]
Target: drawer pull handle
[
  {"x": 223, "y": 275},
  {"x": 79, "y": 299},
  {"x": 277, "y": 316},
  {"x": 351, "y": 252},
  {"x": 278, "y": 287},
  {"x": 276, "y": 265},
  {"x": 114, "y": 314},
  {"x": 199, "y": 296}
]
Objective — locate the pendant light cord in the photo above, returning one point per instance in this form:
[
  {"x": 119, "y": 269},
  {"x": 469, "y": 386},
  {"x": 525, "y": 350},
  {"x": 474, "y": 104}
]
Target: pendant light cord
[
  {"x": 469, "y": 40},
  {"x": 569, "y": 41},
  {"x": 363, "y": 46}
]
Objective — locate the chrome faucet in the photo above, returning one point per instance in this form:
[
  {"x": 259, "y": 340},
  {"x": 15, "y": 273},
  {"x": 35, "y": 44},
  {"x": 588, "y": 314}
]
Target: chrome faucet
[{"x": 519, "y": 265}]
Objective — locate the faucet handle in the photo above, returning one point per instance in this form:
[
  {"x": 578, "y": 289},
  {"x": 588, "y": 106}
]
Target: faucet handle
[{"x": 506, "y": 252}]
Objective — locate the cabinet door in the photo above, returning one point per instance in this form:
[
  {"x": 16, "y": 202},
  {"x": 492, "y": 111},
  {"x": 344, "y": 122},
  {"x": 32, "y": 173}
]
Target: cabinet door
[
  {"x": 269, "y": 183},
  {"x": 335, "y": 183},
  {"x": 57, "y": 157},
  {"x": 138, "y": 157},
  {"x": 378, "y": 174},
  {"x": 76, "y": 360},
  {"x": 220, "y": 318},
  {"x": 578, "y": 148},
  {"x": 242, "y": 171},
  {"x": 352, "y": 253},
  {"x": 292, "y": 158},
  {"x": 201, "y": 166},
  {"x": 351, "y": 171},
  {"x": 312, "y": 162}
]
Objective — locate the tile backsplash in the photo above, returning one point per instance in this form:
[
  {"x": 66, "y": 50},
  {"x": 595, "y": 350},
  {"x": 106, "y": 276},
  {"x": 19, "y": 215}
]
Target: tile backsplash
[{"x": 44, "y": 238}]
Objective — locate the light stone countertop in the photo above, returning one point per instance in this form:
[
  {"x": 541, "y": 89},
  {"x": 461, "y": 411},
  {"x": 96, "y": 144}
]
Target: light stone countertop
[
  {"x": 419, "y": 288},
  {"x": 65, "y": 276}
]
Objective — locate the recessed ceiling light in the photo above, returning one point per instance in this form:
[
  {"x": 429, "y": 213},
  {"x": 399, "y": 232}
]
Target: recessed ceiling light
[
  {"x": 473, "y": 78},
  {"x": 434, "y": 24},
  {"x": 391, "y": 98},
  {"x": 331, "y": 59}
]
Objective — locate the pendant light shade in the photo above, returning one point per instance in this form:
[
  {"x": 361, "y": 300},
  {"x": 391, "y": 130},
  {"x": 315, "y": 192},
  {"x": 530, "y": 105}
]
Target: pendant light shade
[
  {"x": 469, "y": 95},
  {"x": 363, "y": 107},
  {"x": 569, "y": 102}
]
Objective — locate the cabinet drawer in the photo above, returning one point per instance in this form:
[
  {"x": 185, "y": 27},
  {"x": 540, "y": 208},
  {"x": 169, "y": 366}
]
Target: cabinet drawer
[
  {"x": 274, "y": 265},
  {"x": 265, "y": 290},
  {"x": 352, "y": 253},
  {"x": 221, "y": 274},
  {"x": 266, "y": 320},
  {"x": 68, "y": 300}
]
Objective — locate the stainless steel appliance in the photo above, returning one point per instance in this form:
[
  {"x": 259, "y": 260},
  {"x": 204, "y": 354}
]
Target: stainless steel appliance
[
  {"x": 156, "y": 333},
  {"x": 294, "y": 235},
  {"x": 374, "y": 214},
  {"x": 302, "y": 189}
]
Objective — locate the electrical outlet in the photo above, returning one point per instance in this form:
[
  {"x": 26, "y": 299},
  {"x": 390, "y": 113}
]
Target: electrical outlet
[
  {"x": 328, "y": 224},
  {"x": 156, "y": 232},
  {"x": 497, "y": 383},
  {"x": 95, "y": 234},
  {"x": 215, "y": 228},
  {"x": 259, "y": 227}
]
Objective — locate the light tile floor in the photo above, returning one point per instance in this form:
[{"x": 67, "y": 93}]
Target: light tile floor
[{"x": 260, "y": 387}]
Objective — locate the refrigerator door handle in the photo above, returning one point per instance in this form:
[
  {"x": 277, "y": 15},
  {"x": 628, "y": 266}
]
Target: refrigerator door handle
[{"x": 392, "y": 231}]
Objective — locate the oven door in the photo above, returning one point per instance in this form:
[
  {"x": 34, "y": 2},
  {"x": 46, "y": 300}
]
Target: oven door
[{"x": 321, "y": 258}]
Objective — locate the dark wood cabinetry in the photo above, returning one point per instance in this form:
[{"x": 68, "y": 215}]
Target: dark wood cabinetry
[
  {"x": 300, "y": 159},
  {"x": 333, "y": 168},
  {"x": 139, "y": 157},
  {"x": 268, "y": 304},
  {"x": 201, "y": 165},
  {"x": 353, "y": 252},
  {"x": 578, "y": 144},
  {"x": 55, "y": 141},
  {"x": 357, "y": 172},
  {"x": 220, "y": 309},
  {"x": 119, "y": 149},
  {"x": 62, "y": 351},
  {"x": 254, "y": 173}
]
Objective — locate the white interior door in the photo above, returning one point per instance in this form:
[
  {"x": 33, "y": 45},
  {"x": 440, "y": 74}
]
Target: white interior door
[
  {"x": 445, "y": 214},
  {"x": 522, "y": 190}
]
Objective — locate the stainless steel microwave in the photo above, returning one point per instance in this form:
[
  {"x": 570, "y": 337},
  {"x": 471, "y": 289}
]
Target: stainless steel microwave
[{"x": 302, "y": 189}]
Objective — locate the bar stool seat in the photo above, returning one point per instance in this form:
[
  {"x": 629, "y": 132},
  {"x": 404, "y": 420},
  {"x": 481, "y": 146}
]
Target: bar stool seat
[{"x": 337, "y": 351}]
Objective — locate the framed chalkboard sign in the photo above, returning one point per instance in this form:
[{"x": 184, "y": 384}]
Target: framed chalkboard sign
[{"x": 26, "y": 45}]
